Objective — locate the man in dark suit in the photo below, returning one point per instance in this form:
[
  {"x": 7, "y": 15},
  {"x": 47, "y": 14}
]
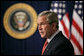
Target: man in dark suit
[{"x": 56, "y": 43}]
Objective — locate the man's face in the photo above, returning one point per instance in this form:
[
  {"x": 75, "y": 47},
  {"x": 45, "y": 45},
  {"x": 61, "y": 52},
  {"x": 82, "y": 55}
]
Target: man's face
[{"x": 44, "y": 27}]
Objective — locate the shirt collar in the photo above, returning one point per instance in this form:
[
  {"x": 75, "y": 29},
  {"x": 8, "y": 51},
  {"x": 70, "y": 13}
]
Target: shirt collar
[{"x": 49, "y": 39}]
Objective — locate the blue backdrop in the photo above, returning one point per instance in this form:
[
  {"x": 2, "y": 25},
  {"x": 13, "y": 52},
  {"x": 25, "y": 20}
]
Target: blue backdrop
[{"x": 30, "y": 46}]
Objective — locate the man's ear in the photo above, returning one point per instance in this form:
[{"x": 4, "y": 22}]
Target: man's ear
[{"x": 54, "y": 26}]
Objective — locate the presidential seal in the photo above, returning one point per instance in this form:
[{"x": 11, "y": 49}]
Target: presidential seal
[{"x": 20, "y": 21}]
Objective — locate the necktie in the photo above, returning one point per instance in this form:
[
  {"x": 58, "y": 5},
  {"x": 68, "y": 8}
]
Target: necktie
[{"x": 45, "y": 44}]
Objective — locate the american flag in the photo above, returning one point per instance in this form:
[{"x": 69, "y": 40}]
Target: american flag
[
  {"x": 77, "y": 28},
  {"x": 70, "y": 15}
]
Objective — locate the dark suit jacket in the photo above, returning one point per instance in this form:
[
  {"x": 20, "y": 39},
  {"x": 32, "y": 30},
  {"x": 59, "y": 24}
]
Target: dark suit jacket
[{"x": 59, "y": 45}]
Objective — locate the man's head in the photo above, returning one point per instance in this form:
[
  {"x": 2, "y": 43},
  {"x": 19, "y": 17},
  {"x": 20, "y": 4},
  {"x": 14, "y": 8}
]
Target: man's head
[{"x": 47, "y": 23}]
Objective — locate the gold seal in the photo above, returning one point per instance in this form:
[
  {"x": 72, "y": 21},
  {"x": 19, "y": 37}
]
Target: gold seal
[{"x": 20, "y": 21}]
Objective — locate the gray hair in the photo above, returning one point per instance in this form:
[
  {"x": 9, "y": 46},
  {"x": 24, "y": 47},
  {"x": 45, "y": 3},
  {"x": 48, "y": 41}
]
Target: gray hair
[{"x": 51, "y": 17}]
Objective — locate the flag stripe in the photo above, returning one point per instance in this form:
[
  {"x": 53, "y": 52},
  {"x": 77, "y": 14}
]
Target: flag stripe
[
  {"x": 78, "y": 20},
  {"x": 77, "y": 44},
  {"x": 76, "y": 50},
  {"x": 77, "y": 28},
  {"x": 64, "y": 26},
  {"x": 77, "y": 32},
  {"x": 77, "y": 36},
  {"x": 66, "y": 20},
  {"x": 61, "y": 28}
]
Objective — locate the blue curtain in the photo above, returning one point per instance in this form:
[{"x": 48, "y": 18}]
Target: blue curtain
[{"x": 30, "y": 46}]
